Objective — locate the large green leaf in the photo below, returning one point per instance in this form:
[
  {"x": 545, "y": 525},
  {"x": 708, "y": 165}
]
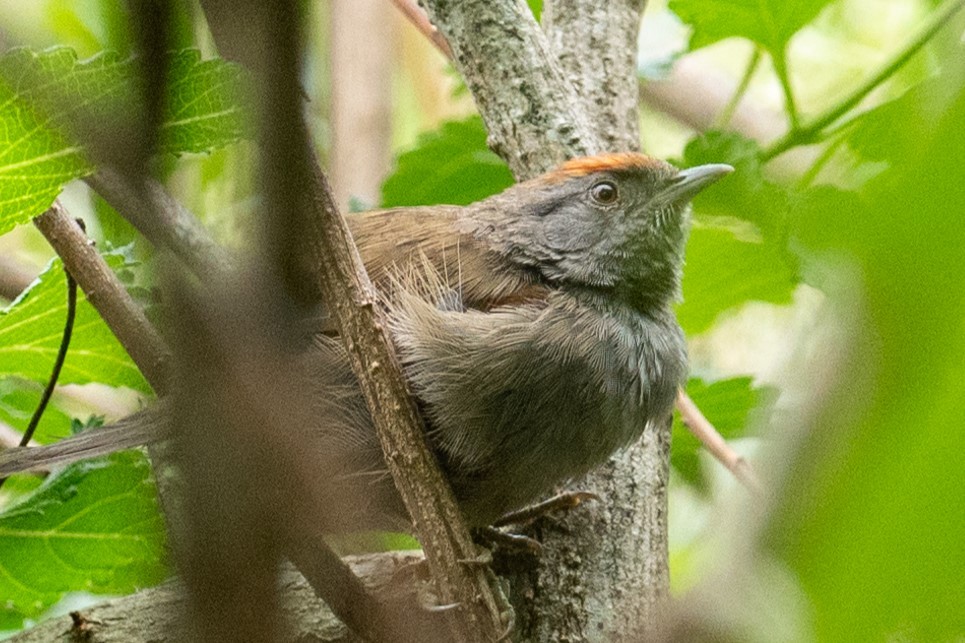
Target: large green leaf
[
  {"x": 451, "y": 165},
  {"x": 31, "y": 328},
  {"x": 47, "y": 96},
  {"x": 725, "y": 270},
  {"x": 93, "y": 527},
  {"x": 19, "y": 400},
  {"x": 770, "y": 23}
]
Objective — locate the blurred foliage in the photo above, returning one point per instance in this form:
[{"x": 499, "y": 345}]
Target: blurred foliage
[{"x": 871, "y": 518}]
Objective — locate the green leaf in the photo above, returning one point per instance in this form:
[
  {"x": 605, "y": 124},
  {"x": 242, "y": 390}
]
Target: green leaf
[
  {"x": 728, "y": 261},
  {"x": 731, "y": 406},
  {"x": 745, "y": 194},
  {"x": 725, "y": 270},
  {"x": 870, "y": 522},
  {"x": 31, "y": 328},
  {"x": 451, "y": 165},
  {"x": 48, "y": 98},
  {"x": 770, "y": 23},
  {"x": 19, "y": 400},
  {"x": 93, "y": 527}
]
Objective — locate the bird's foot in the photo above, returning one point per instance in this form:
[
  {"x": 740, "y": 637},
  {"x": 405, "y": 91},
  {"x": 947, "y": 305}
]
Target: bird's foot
[
  {"x": 565, "y": 501},
  {"x": 516, "y": 543}
]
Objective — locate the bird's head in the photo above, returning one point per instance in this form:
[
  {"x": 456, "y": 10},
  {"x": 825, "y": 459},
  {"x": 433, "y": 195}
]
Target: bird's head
[{"x": 612, "y": 222}]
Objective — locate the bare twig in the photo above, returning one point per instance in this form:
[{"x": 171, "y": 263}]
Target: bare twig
[
  {"x": 414, "y": 14},
  {"x": 106, "y": 293},
  {"x": 163, "y": 221},
  {"x": 704, "y": 431}
]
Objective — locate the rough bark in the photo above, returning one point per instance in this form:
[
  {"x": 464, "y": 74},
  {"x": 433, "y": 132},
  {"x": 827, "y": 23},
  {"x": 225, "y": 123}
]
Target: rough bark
[
  {"x": 596, "y": 46},
  {"x": 532, "y": 112}
]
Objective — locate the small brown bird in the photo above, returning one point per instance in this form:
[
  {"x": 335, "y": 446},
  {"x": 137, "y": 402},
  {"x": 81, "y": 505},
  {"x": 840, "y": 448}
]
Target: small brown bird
[
  {"x": 535, "y": 327},
  {"x": 552, "y": 341}
]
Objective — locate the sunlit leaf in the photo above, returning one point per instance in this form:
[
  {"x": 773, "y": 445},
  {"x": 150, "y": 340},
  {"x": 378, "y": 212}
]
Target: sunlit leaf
[
  {"x": 451, "y": 165},
  {"x": 48, "y": 98},
  {"x": 32, "y": 326},
  {"x": 93, "y": 527}
]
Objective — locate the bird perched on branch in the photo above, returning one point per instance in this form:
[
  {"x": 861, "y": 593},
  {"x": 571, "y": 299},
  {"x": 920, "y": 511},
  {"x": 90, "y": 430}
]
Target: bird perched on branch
[
  {"x": 535, "y": 328},
  {"x": 551, "y": 341}
]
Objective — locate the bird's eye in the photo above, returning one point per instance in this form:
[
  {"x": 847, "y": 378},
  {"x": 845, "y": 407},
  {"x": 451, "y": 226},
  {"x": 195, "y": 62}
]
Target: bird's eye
[{"x": 604, "y": 192}]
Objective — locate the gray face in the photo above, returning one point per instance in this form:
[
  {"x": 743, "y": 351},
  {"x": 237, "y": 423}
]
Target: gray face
[{"x": 621, "y": 230}]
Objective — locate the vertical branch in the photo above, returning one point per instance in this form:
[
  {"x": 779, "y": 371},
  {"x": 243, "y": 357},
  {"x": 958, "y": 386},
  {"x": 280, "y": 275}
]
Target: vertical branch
[
  {"x": 311, "y": 222},
  {"x": 535, "y": 118},
  {"x": 596, "y": 45},
  {"x": 613, "y": 555}
]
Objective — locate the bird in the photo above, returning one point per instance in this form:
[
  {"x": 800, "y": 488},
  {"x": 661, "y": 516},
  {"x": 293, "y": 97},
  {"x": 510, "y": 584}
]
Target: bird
[
  {"x": 546, "y": 340},
  {"x": 536, "y": 330}
]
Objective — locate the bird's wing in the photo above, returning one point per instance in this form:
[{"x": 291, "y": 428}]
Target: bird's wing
[{"x": 400, "y": 240}]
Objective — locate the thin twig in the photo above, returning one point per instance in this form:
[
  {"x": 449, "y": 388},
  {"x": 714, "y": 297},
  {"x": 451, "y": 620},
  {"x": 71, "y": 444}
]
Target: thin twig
[
  {"x": 810, "y": 132},
  {"x": 58, "y": 364},
  {"x": 163, "y": 221},
  {"x": 106, "y": 294},
  {"x": 417, "y": 16},
  {"x": 714, "y": 442}
]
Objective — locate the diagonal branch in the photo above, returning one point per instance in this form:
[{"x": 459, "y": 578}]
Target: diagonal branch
[{"x": 106, "y": 294}]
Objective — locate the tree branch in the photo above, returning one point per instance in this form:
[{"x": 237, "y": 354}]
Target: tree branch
[
  {"x": 163, "y": 221},
  {"x": 106, "y": 294},
  {"x": 533, "y": 114},
  {"x": 595, "y": 44},
  {"x": 155, "y": 615},
  {"x": 337, "y": 269}
]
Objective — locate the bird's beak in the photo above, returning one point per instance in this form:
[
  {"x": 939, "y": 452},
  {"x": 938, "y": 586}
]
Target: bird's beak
[{"x": 689, "y": 182}]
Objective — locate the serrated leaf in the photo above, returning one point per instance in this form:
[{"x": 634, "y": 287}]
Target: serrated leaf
[
  {"x": 770, "y": 23},
  {"x": 724, "y": 270},
  {"x": 730, "y": 405},
  {"x": 44, "y": 96},
  {"x": 451, "y": 165},
  {"x": 31, "y": 328},
  {"x": 93, "y": 527}
]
